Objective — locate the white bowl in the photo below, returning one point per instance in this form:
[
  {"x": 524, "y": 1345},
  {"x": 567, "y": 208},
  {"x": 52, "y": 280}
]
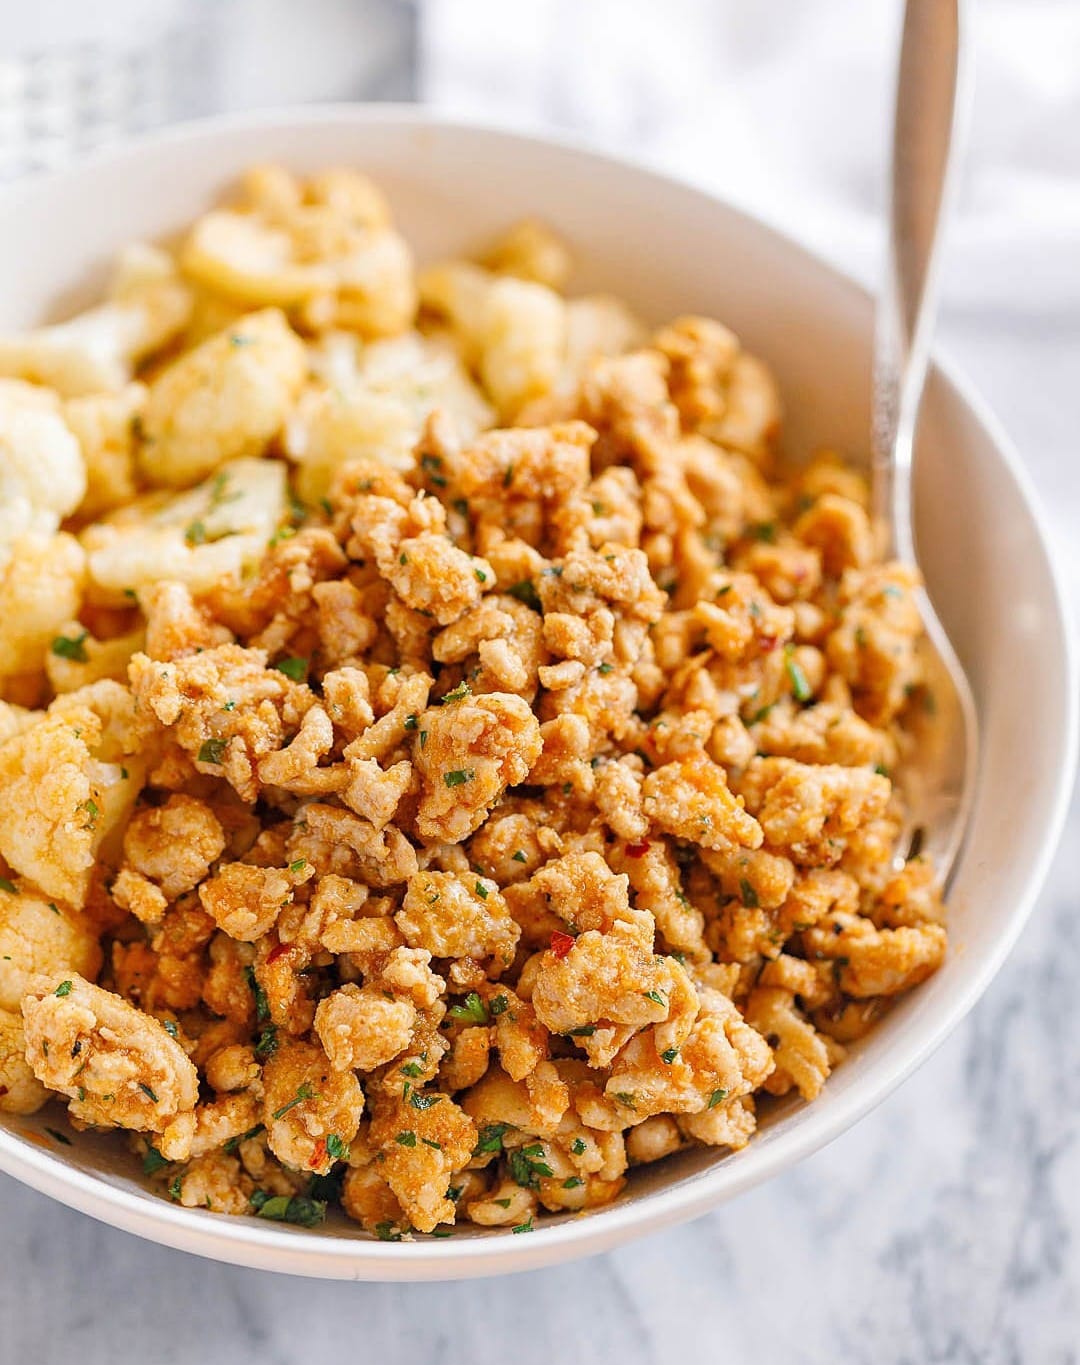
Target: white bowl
[{"x": 668, "y": 249}]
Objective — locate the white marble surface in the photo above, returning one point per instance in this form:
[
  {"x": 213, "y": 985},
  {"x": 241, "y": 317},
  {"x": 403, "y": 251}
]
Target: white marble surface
[{"x": 944, "y": 1228}]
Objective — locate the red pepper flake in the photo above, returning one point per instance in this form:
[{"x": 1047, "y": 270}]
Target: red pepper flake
[
  {"x": 319, "y": 1155},
  {"x": 275, "y": 953},
  {"x": 561, "y": 943},
  {"x": 767, "y": 643},
  {"x": 638, "y": 850}
]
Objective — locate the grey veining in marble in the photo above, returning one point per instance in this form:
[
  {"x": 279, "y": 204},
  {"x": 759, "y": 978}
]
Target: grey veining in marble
[{"x": 943, "y": 1230}]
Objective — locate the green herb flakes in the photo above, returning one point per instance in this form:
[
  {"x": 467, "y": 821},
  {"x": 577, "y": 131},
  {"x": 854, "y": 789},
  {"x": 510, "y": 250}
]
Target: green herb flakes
[
  {"x": 212, "y": 750},
  {"x": 71, "y": 647},
  {"x": 293, "y": 667}
]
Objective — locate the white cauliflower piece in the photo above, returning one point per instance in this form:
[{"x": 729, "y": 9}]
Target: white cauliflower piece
[
  {"x": 375, "y": 403},
  {"x": 97, "y": 350},
  {"x": 118, "y": 1066},
  {"x": 224, "y": 400},
  {"x": 104, "y": 424},
  {"x": 523, "y": 342},
  {"x": 42, "y": 474},
  {"x": 41, "y": 590},
  {"x": 197, "y": 538},
  {"x": 37, "y": 936},
  {"x": 59, "y": 802},
  {"x": 20, "y": 1090}
]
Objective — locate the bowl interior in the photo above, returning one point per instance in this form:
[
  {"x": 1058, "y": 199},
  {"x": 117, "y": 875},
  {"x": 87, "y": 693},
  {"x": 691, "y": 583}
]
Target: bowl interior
[{"x": 667, "y": 249}]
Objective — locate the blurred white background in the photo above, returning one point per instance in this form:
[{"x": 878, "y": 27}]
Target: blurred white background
[{"x": 945, "y": 1227}]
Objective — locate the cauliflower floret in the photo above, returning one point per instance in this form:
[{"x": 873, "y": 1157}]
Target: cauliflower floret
[
  {"x": 40, "y": 591},
  {"x": 530, "y": 250},
  {"x": 222, "y": 401},
  {"x": 105, "y": 425},
  {"x": 37, "y": 936},
  {"x": 362, "y": 1029},
  {"x": 306, "y": 1103},
  {"x": 468, "y": 751},
  {"x": 20, "y": 1090},
  {"x": 375, "y": 407},
  {"x": 212, "y": 532},
  {"x": 96, "y": 350},
  {"x": 522, "y": 340},
  {"x": 59, "y": 803},
  {"x": 326, "y": 248},
  {"x": 458, "y": 916},
  {"x": 118, "y": 1066},
  {"x": 42, "y": 473}
]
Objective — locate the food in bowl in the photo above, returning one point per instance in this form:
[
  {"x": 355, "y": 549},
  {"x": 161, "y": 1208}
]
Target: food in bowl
[{"x": 447, "y": 759}]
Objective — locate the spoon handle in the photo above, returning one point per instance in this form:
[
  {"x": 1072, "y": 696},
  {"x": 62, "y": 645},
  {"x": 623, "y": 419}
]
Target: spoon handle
[{"x": 930, "y": 103}]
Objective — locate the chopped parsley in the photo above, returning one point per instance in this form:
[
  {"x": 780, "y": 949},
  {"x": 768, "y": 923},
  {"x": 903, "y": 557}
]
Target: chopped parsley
[
  {"x": 154, "y": 1161},
  {"x": 481, "y": 576},
  {"x": 472, "y": 1010},
  {"x": 298, "y": 865},
  {"x": 8, "y": 886},
  {"x": 267, "y": 1043},
  {"x": 715, "y": 1098},
  {"x": 491, "y": 1138},
  {"x": 578, "y": 1146},
  {"x": 528, "y": 1166},
  {"x": 293, "y": 667},
  {"x": 800, "y": 688},
  {"x": 336, "y": 1148},
  {"x": 69, "y": 647},
  {"x": 262, "y": 1004},
  {"x": 406, "y": 1139},
  {"x": 62, "y": 1138},
  {"x": 212, "y": 750},
  {"x": 605, "y": 669},
  {"x": 525, "y": 591},
  {"x": 626, "y": 1097},
  {"x": 410, "y": 721},
  {"x": 235, "y": 1142},
  {"x": 458, "y": 694},
  {"x": 457, "y": 777},
  {"x": 283, "y": 1208},
  {"x": 386, "y": 1231},
  {"x": 419, "y": 1101},
  {"x": 669, "y": 1055},
  {"x": 748, "y": 894},
  {"x": 64, "y": 988},
  {"x": 411, "y": 1069},
  {"x": 303, "y": 1093},
  {"x": 148, "y": 1092},
  {"x": 524, "y": 1227},
  {"x": 655, "y": 997},
  {"x": 481, "y": 891},
  {"x": 92, "y": 813},
  {"x": 572, "y": 1182},
  {"x": 519, "y": 856},
  {"x": 585, "y": 1031},
  {"x": 499, "y": 1005}
]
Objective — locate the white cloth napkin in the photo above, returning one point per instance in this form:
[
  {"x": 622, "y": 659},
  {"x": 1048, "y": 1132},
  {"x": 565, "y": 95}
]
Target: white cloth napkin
[{"x": 783, "y": 107}]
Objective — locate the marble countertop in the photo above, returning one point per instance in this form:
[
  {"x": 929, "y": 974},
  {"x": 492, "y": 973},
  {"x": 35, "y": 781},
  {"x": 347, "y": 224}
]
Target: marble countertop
[{"x": 944, "y": 1228}]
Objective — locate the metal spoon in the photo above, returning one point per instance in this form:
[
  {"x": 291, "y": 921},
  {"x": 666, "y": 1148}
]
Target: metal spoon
[{"x": 939, "y": 783}]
